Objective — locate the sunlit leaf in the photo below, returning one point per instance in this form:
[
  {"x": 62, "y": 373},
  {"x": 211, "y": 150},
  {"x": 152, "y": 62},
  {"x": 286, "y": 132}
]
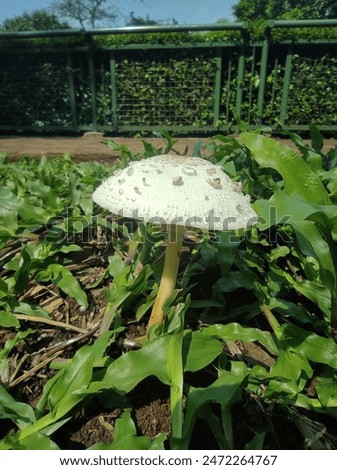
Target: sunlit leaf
[
  {"x": 27, "y": 309},
  {"x": 236, "y": 332},
  {"x": 200, "y": 350},
  {"x": 75, "y": 377},
  {"x": 289, "y": 374},
  {"x": 7, "y": 319},
  {"x": 129, "y": 369},
  {"x": 36, "y": 441},
  {"x": 66, "y": 281},
  {"x": 312, "y": 346},
  {"x": 297, "y": 175}
]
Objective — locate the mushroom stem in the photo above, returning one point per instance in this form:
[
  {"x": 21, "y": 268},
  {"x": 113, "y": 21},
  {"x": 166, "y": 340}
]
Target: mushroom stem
[{"x": 169, "y": 274}]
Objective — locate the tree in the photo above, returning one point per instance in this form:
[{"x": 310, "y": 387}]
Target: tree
[
  {"x": 147, "y": 21},
  {"x": 222, "y": 20},
  {"x": 86, "y": 12},
  {"x": 38, "y": 20},
  {"x": 139, "y": 21},
  {"x": 251, "y": 10}
]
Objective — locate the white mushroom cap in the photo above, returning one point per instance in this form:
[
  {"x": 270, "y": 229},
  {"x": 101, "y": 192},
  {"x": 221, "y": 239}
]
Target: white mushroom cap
[{"x": 176, "y": 190}]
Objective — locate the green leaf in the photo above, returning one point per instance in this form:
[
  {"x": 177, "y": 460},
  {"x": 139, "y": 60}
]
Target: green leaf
[
  {"x": 296, "y": 312},
  {"x": 33, "y": 214},
  {"x": 326, "y": 389},
  {"x": 297, "y": 175},
  {"x": 26, "y": 309},
  {"x": 116, "y": 265},
  {"x": 20, "y": 413},
  {"x": 236, "y": 332},
  {"x": 227, "y": 244},
  {"x": 175, "y": 370},
  {"x": 257, "y": 442},
  {"x": 75, "y": 377},
  {"x": 317, "y": 140},
  {"x": 289, "y": 374},
  {"x": 145, "y": 306},
  {"x": 312, "y": 243},
  {"x": 235, "y": 280},
  {"x": 12, "y": 342},
  {"x": 22, "y": 275},
  {"x": 8, "y": 212},
  {"x": 281, "y": 209},
  {"x": 200, "y": 350},
  {"x": 3, "y": 289},
  {"x": 7, "y": 319},
  {"x": 36, "y": 441},
  {"x": 64, "y": 279},
  {"x": 131, "y": 368},
  {"x": 314, "y": 291},
  {"x": 69, "y": 248},
  {"x": 223, "y": 390},
  {"x": 45, "y": 193},
  {"x": 278, "y": 252},
  {"x": 310, "y": 345}
]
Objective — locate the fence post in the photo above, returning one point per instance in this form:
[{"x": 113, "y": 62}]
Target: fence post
[
  {"x": 113, "y": 90},
  {"x": 286, "y": 84},
  {"x": 93, "y": 85},
  {"x": 263, "y": 78},
  {"x": 217, "y": 90},
  {"x": 72, "y": 95},
  {"x": 240, "y": 78}
]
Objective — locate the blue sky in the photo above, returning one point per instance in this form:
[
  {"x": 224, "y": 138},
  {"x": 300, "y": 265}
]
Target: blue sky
[{"x": 184, "y": 11}]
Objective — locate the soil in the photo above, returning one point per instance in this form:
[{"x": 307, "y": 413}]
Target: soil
[{"x": 92, "y": 146}]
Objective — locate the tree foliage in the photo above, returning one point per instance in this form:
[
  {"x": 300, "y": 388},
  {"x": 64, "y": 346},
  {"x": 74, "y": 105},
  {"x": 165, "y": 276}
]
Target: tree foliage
[
  {"x": 140, "y": 21},
  {"x": 147, "y": 21},
  {"x": 251, "y": 10},
  {"x": 86, "y": 12},
  {"x": 38, "y": 20}
]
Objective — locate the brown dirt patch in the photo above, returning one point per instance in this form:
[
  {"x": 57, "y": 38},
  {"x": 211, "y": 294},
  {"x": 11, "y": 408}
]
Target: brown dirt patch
[{"x": 90, "y": 146}]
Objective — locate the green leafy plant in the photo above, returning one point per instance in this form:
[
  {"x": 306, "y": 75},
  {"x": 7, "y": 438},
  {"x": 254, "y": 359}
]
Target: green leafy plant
[{"x": 247, "y": 349}]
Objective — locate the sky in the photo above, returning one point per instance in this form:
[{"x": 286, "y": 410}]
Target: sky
[{"x": 183, "y": 11}]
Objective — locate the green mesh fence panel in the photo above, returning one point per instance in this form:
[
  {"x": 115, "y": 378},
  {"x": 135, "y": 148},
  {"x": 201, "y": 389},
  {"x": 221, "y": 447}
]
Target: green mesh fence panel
[
  {"x": 171, "y": 89},
  {"x": 34, "y": 91},
  {"x": 313, "y": 76},
  {"x": 84, "y": 85}
]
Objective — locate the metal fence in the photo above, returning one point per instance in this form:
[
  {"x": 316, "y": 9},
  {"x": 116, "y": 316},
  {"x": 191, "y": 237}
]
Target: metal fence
[{"x": 189, "y": 87}]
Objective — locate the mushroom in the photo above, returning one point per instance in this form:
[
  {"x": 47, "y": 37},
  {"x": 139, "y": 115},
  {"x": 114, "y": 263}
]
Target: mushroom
[{"x": 175, "y": 192}]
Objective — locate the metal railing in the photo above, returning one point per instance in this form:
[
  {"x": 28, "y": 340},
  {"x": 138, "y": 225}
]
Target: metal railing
[{"x": 82, "y": 84}]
